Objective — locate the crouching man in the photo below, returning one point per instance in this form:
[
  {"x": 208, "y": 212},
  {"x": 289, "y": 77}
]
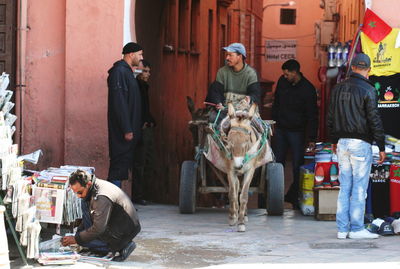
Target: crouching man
[{"x": 109, "y": 220}]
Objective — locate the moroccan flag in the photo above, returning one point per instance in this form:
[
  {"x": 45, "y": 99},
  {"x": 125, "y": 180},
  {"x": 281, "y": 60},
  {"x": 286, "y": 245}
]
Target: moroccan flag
[{"x": 374, "y": 27}]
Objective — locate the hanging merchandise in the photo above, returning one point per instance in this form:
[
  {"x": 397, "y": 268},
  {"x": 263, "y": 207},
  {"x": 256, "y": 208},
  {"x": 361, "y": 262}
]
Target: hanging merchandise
[
  {"x": 345, "y": 53},
  {"x": 34, "y": 229},
  {"x": 385, "y": 58},
  {"x": 374, "y": 27},
  {"x": 339, "y": 51},
  {"x": 331, "y": 55},
  {"x": 388, "y": 92},
  {"x": 394, "y": 189},
  {"x": 380, "y": 188},
  {"x": 49, "y": 204}
]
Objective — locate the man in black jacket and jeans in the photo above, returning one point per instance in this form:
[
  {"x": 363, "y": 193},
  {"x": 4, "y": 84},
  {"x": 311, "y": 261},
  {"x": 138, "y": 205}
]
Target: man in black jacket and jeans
[
  {"x": 354, "y": 123},
  {"x": 295, "y": 112},
  {"x": 109, "y": 221}
]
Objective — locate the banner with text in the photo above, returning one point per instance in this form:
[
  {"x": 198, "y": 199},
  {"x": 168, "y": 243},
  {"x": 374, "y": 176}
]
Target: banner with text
[{"x": 280, "y": 50}]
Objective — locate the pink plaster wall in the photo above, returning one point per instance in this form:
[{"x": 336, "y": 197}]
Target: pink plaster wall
[
  {"x": 308, "y": 12},
  {"x": 94, "y": 34},
  {"x": 43, "y": 100},
  {"x": 70, "y": 46},
  {"x": 388, "y": 10}
]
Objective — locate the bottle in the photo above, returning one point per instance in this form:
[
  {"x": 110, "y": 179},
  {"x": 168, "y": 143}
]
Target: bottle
[
  {"x": 331, "y": 55},
  {"x": 345, "y": 53},
  {"x": 339, "y": 51}
]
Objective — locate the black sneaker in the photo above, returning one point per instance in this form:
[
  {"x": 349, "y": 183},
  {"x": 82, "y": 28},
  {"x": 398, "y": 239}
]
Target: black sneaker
[{"x": 125, "y": 252}]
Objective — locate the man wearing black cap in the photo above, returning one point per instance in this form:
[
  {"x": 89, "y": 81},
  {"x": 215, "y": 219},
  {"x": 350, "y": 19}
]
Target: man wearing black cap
[
  {"x": 354, "y": 123},
  {"x": 124, "y": 112}
]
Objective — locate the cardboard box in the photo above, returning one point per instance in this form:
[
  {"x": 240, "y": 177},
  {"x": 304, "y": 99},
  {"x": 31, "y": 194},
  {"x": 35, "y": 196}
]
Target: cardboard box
[
  {"x": 330, "y": 9},
  {"x": 327, "y": 32},
  {"x": 325, "y": 203}
]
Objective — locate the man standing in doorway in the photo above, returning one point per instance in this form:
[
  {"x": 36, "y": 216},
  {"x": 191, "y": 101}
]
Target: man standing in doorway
[
  {"x": 144, "y": 154},
  {"x": 354, "y": 123},
  {"x": 124, "y": 112},
  {"x": 296, "y": 114}
]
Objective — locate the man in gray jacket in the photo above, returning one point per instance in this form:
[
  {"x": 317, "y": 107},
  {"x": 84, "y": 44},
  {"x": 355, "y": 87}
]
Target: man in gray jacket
[{"x": 109, "y": 221}]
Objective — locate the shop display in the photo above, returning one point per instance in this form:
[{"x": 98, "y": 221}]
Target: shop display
[
  {"x": 306, "y": 189},
  {"x": 394, "y": 189},
  {"x": 42, "y": 196}
]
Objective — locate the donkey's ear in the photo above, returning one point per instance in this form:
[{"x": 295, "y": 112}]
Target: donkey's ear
[
  {"x": 231, "y": 110},
  {"x": 190, "y": 105},
  {"x": 252, "y": 110}
]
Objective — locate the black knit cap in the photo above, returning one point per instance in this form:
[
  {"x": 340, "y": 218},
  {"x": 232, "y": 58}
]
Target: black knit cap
[{"x": 131, "y": 47}]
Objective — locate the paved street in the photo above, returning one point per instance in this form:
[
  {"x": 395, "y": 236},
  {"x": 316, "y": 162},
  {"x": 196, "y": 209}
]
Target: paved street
[{"x": 171, "y": 240}]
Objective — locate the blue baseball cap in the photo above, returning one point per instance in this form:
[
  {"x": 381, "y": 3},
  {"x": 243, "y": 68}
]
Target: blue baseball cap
[{"x": 236, "y": 47}]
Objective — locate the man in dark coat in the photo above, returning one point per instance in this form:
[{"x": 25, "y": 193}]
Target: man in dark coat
[
  {"x": 109, "y": 221},
  {"x": 144, "y": 154},
  {"x": 296, "y": 114},
  {"x": 124, "y": 112}
]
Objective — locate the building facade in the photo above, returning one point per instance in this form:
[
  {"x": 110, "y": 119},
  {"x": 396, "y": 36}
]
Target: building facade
[
  {"x": 58, "y": 54},
  {"x": 183, "y": 41}
]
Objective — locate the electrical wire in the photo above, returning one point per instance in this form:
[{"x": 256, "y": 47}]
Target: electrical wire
[{"x": 288, "y": 37}]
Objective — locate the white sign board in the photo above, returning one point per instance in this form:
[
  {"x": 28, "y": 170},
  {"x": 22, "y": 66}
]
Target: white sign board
[
  {"x": 280, "y": 50},
  {"x": 368, "y": 4}
]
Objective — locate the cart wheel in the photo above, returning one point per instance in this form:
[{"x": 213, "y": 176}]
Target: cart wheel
[
  {"x": 187, "y": 189},
  {"x": 275, "y": 189}
]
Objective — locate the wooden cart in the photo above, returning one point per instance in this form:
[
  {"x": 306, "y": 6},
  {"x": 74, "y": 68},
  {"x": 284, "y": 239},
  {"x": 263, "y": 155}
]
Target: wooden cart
[{"x": 196, "y": 177}]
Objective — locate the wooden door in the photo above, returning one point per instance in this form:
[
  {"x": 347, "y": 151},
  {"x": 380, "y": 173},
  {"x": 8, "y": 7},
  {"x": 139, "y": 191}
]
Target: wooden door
[{"x": 8, "y": 38}]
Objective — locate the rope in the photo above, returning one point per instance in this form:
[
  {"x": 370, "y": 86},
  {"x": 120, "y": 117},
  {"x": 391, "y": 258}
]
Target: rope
[
  {"x": 264, "y": 136},
  {"x": 247, "y": 158}
]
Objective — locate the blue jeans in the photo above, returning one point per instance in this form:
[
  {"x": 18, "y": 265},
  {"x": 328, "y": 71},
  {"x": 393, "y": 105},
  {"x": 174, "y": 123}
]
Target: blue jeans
[
  {"x": 284, "y": 140},
  {"x": 117, "y": 182},
  {"x": 355, "y": 159},
  {"x": 94, "y": 245}
]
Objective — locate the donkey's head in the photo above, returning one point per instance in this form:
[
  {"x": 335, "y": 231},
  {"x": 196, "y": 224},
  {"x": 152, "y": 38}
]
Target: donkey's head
[{"x": 241, "y": 135}]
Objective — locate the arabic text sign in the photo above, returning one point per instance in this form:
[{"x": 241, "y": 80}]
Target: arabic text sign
[{"x": 280, "y": 50}]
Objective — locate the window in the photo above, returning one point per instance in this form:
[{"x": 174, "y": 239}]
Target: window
[
  {"x": 194, "y": 26},
  {"x": 170, "y": 26},
  {"x": 183, "y": 25},
  {"x": 288, "y": 16}
]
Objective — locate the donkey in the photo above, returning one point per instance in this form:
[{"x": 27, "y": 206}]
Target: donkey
[{"x": 241, "y": 139}]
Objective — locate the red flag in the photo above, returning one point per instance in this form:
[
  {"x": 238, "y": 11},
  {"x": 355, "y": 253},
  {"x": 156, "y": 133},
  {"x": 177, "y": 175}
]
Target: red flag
[{"x": 374, "y": 27}]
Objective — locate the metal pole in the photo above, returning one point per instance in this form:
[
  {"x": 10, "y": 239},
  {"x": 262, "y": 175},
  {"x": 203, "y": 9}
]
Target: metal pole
[
  {"x": 353, "y": 50},
  {"x": 11, "y": 226}
]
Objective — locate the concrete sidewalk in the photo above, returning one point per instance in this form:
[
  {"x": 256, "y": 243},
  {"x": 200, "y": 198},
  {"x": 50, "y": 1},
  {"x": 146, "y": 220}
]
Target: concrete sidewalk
[{"x": 172, "y": 240}]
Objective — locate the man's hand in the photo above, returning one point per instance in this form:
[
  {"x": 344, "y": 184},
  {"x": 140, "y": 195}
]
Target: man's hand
[
  {"x": 148, "y": 125},
  {"x": 219, "y": 106},
  {"x": 311, "y": 146},
  {"x": 68, "y": 240},
  {"x": 382, "y": 156},
  {"x": 128, "y": 136},
  {"x": 334, "y": 147}
]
